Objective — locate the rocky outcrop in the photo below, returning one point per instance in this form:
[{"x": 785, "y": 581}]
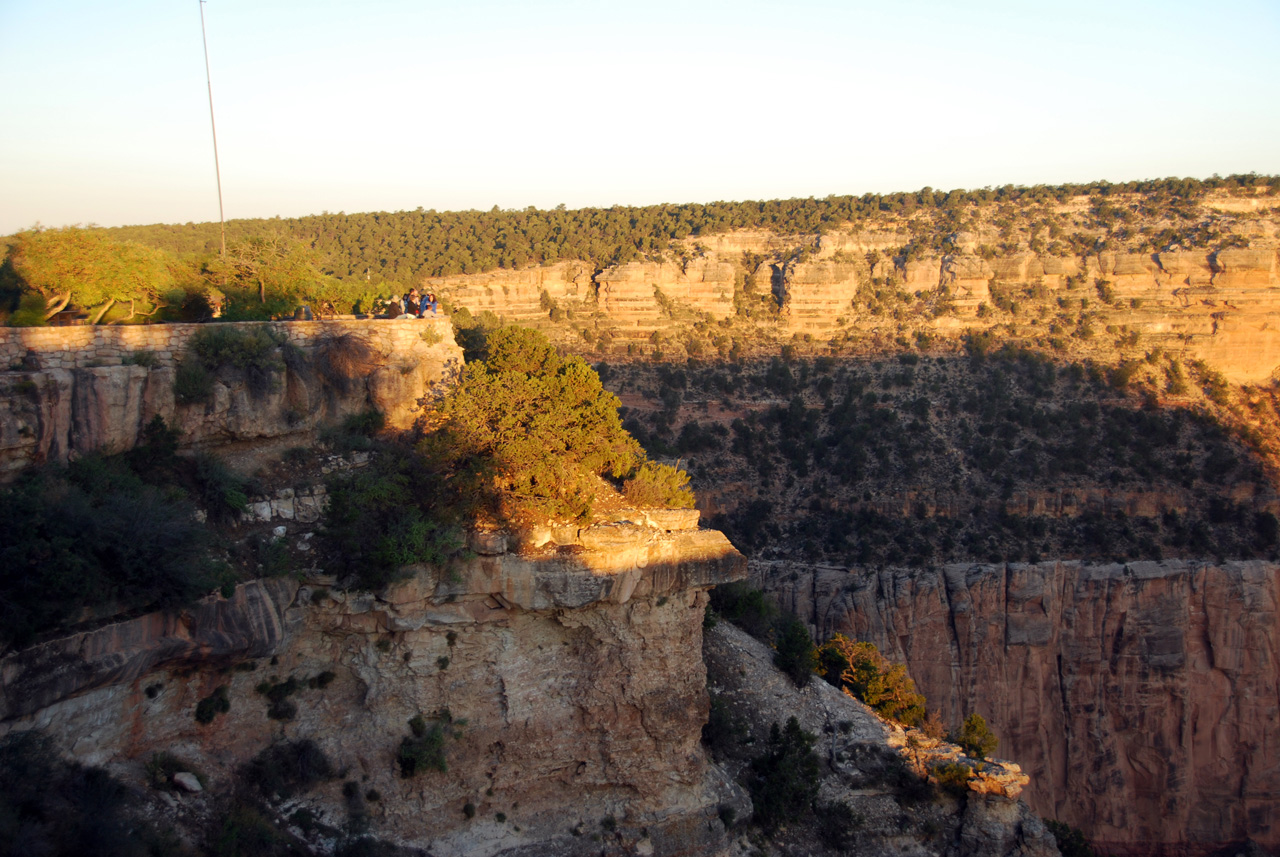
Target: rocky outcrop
[
  {"x": 1140, "y": 698},
  {"x": 866, "y": 762},
  {"x": 52, "y": 413},
  {"x": 571, "y": 677}
]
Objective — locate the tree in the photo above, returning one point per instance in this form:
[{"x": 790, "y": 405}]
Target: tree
[
  {"x": 975, "y": 737},
  {"x": 84, "y": 268},
  {"x": 277, "y": 265},
  {"x": 528, "y": 431},
  {"x": 784, "y": 779},
  {"x": 865, "y": 674}
]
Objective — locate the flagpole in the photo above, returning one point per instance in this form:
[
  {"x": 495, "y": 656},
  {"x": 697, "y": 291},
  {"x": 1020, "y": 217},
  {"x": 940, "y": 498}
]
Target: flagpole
[{"x": 217, "y": 171}]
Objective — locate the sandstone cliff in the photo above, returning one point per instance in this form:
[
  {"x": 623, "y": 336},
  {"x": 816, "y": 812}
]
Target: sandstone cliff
[
  {"x": 1141, "y": 698},
  {"x": 1218, "y": 302},
  {"x": 74, "y": 390},
  {"x": 572, "y": 676}
]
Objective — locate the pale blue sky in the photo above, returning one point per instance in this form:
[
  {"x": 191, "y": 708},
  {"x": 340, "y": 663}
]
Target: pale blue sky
[{"x": 387, "y": 105}]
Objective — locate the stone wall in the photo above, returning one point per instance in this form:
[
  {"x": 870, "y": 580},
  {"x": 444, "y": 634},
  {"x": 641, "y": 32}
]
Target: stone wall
[{"x": 88, "y": 345}]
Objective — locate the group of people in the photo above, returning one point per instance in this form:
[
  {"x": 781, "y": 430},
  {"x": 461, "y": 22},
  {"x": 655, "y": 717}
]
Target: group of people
[{"x": 414, "y": 305}]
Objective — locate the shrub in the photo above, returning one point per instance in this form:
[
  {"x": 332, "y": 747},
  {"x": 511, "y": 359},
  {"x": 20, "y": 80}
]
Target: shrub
[
  {"x": 653, "y": 484},
  {"x": 526, "y": 431},
  {"x": 424, "y": 751},
  {"x": 248, "y": 354},
  {"x": 49, "y": 806},
  {"x": 395, "y": 512},
  {"x": 287, "y": 768},
  {"x": 345, "y": 361},
  {"x": 745, "y": 607},
  {"x": 975, "y": 738},
  {"x": 795, "y": 653},
  {"x": 1070, "y": 840},
  {"x": 724, "y": 731},
  {"x": 952, "y": 777},
  {"x": 94, "y": 534},
  {"x": 865, "y": 674},
  {"x": 212, "y": 705},
  {"x": 784, "y": 779},
  {"x": 222, "y": 492},
  {"x": 838, "y": 825}
]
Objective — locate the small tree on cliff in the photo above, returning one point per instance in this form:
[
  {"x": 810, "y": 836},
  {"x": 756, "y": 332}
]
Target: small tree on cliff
[
  {"x": 865, "y": 674},
  {"x": 975, "y": 737},
  {"x": 527, "y": 432}
]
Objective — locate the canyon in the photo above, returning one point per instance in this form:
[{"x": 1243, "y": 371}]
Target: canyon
[{"x": 1141, "y": 698}]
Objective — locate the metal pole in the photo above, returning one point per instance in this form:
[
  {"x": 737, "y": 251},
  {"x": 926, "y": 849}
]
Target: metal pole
[{"x": 216, "y": 169}]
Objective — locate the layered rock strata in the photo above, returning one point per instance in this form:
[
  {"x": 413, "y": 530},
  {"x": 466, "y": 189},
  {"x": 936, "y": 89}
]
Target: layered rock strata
[
  {"x": 53, "y": 406},
  {"x": 1222, "y": 306},
  {"x": 568, "y": 680},
  {"x": 1141, "y": 698}
]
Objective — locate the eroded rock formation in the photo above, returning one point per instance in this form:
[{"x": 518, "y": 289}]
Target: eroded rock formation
[
  {"x": 1141, "y": 698},
  {"x": 572, "y": 677}
]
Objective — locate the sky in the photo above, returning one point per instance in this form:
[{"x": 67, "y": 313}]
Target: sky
[{"x": 383, "y": 105}]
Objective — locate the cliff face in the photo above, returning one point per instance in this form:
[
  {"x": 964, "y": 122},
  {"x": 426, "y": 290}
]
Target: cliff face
[
  {"x": 1219, "y": 305},
  {"x": 1142, "y": 698},
  {"x": 571, "y": 675},
  {"x": 58, "y": 402}
]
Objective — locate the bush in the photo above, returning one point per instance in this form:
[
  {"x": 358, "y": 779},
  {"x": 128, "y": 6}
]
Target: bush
[
  {"x": 952, "y": 777},
  {"x": 975, "y": 738},
  {"x": 212, "y": 705},
  {"x": 288, "y": 768},
  {"x": 251, "y": 355},
  {"x": 55, "y": 808},
  {"x": 1070, "y": 840},
  {"x": 526, "y": 432},
  {"x": 865, "y": 674},
  {"x": 424, "y": 751},
  {"x": 795, "y": 653},
  {"x": 94, "y": 534},
  {"x": 838, "y": 825},
  {"x": 784, "y": 779},
  {"x": 659, "y": 485},
  {"x": 745, "y": 607},
  {"x": 392, "y": 513}
]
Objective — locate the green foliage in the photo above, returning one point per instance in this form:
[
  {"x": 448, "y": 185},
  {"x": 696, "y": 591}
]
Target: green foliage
[
  {"x": 865, "y": 674},
  {"x": 975, "y": 737},
  {"x": 218, "y": 702},
  {"x": 396, "y": 511},
  {"x": 659, "y": 485},
  {"x": 953, "y": 777},
  {"x": 424, "y": 750},
  {"x": 94, "y": 534},
  {"x": 268, "y": 276},
  {"x": 222, "y": 492},
  {"x": 838, "y": 825},
  {"x": 248, "y": 354},
  {"x": 784, "y": 779},
  {"x": 30, "y": 312},
  {"x": 288, "y": 768},
  {"x": 355, "y": 432},
  {"x": 745, "y": 607},
  {"x": 795, "y": 655},
  {"x": 527, "y": 432},
  {"x": 724, "y": 731},
  {"x": 277, "y": 693},
  {"x": 1070, "y": 840},
  {"x": 54, "y": 808},
  {"x": 88, "y": 270}
]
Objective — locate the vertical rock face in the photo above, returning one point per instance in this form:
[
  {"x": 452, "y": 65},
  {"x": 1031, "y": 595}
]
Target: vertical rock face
[
  {"x": 51, "y": 413},
  {"x": 1142, "y": 699},
  {"x": 569, "y": 686}
]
